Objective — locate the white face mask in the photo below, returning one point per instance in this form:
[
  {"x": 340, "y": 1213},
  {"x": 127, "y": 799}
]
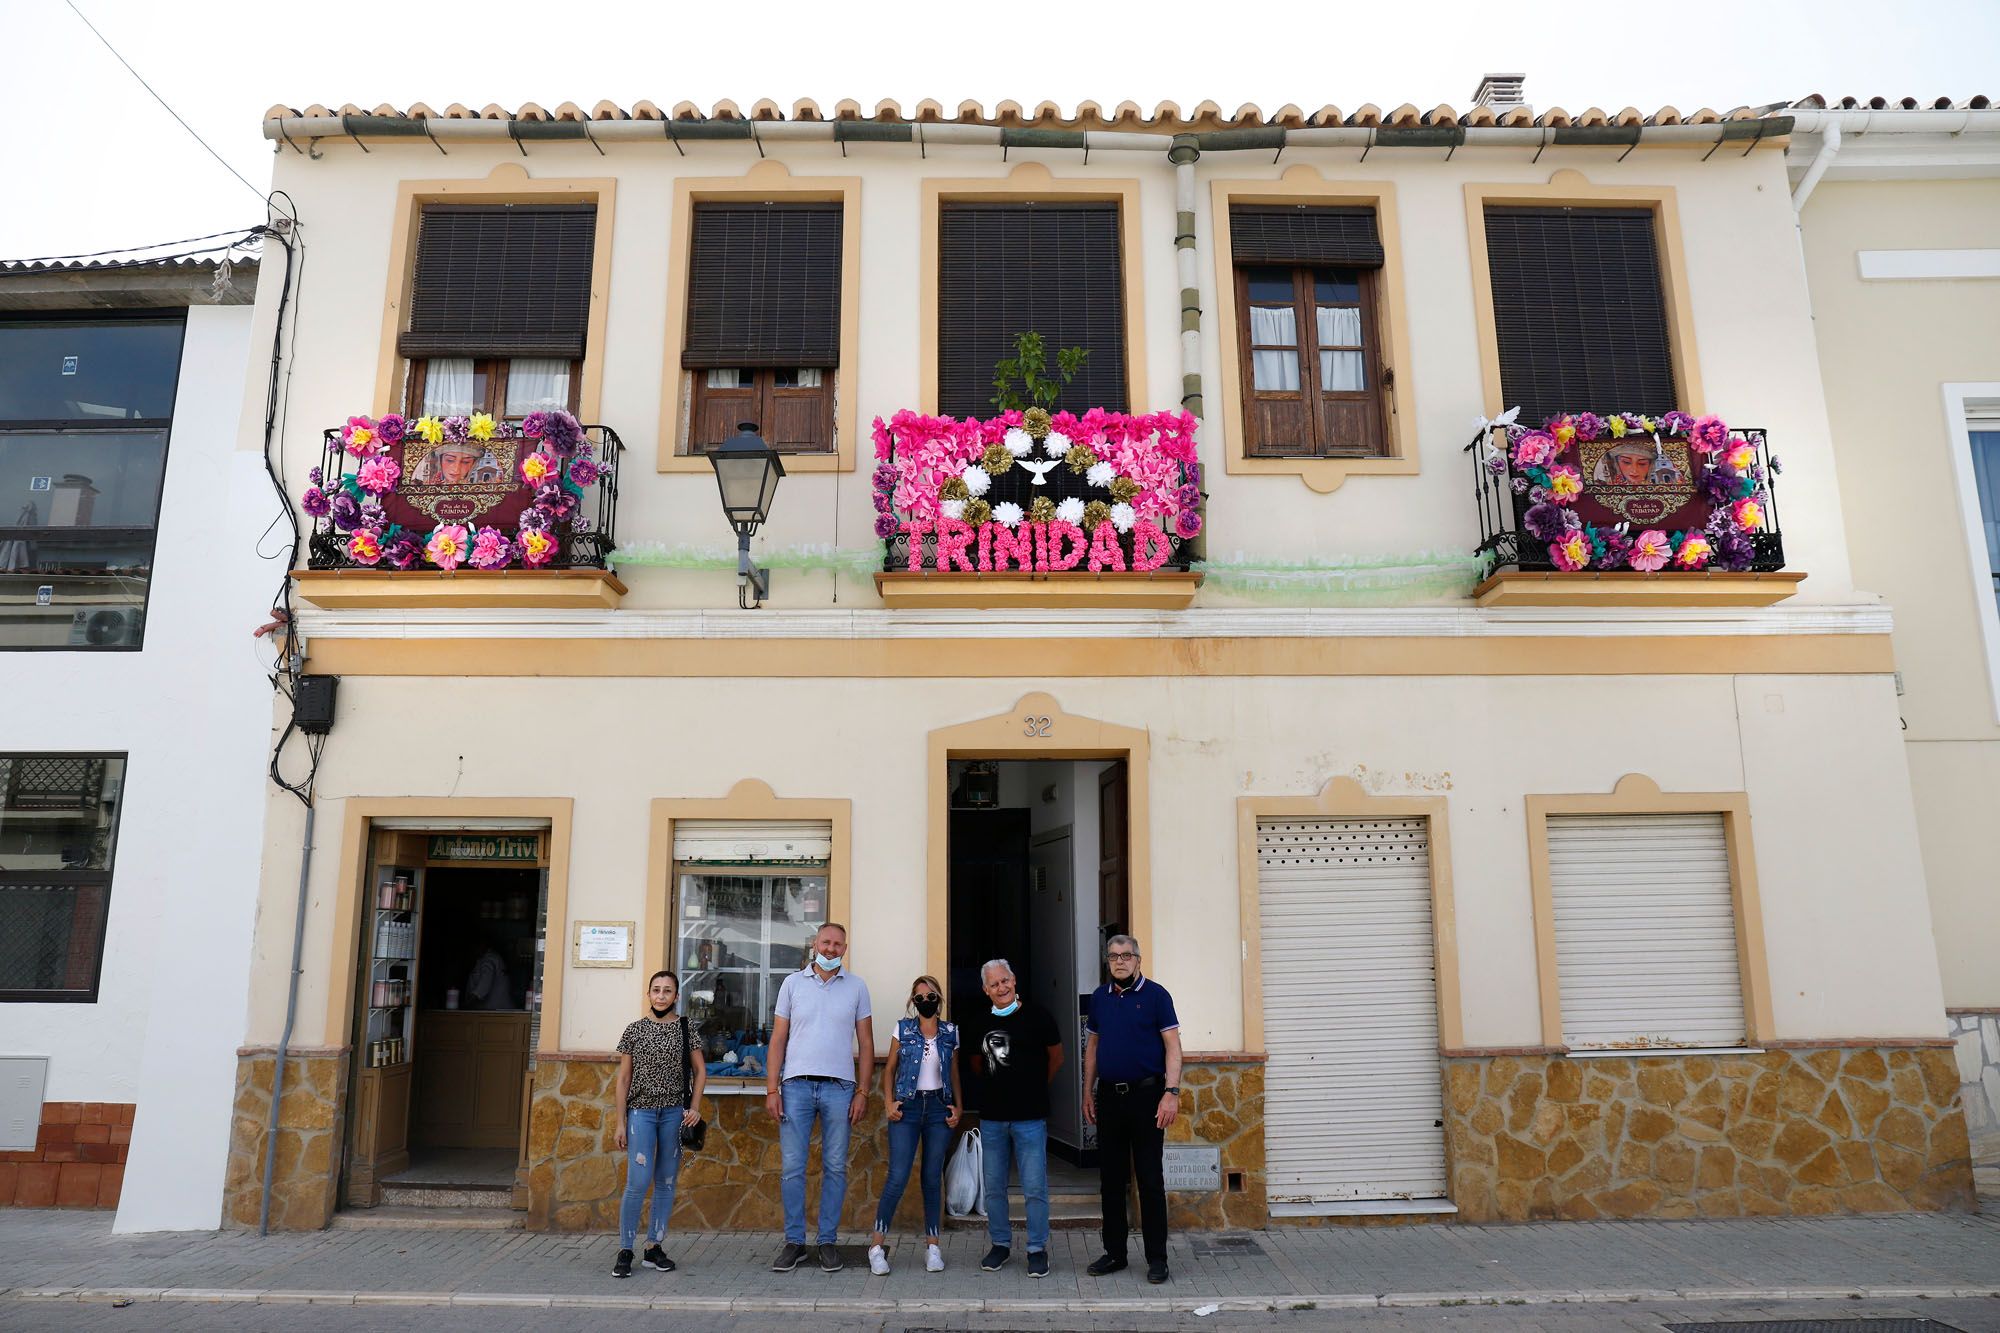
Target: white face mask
[
  {"x": 998, "y": 1012},
  {"x": 825, "y": 964}
]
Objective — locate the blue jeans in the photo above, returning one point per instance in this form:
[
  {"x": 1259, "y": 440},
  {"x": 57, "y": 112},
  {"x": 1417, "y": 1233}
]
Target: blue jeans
[
  {"x": 652, "y": 1154},
  {"x": 1003, "y": 1143},
  {"x": 804, "y": 1101},
  {"x": 922, "y": 1122}
]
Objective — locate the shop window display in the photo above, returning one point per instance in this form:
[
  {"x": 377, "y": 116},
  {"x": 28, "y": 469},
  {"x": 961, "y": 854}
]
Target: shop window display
[{"x": 742, "y": 932}]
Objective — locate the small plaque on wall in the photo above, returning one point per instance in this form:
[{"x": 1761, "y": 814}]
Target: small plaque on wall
[
  {"x": 1197, "y": 1167},
  {"x": 602, "y": 944}
]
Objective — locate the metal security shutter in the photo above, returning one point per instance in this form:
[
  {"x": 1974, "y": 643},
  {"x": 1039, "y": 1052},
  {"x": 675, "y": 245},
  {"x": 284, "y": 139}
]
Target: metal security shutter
[
  {"x": 1353, "y": 1094},
  {"x": 741, "y": 842},
  {"x": 1645, "y": 931}
]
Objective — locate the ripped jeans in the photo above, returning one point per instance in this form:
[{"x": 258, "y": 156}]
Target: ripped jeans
[{"x": 652, "y": 1153}]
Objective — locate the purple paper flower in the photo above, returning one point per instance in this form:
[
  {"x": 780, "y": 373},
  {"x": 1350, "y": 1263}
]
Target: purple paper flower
[
  {"x": 370, "y": 515},
  {"x": 1192, "y": 471},
  {"x": 579, "y": 522},
  {"x": 344, "y": 512},
  {"x": 1187, "y": 525},
  {"x": 392, "y": 428},
  {"x": 585, "y": 471},
  {"x": 886, "y": 526},
  {"x": 1520, "y": 485},
  {"x": 314, "y": 501},
  {"x": 1545, "y": 522},
  {"x": 1617, "y": 551},
  {"x": 535, "y": 425},
  {"x": 402, "y": 552},
  {"x": 1187, "y": 497},
  {"x": 1676, "y": 423},
  {"x": 315, "y": 478},
  {"x": 1589, "y": 426},
  {"x": 556, "y": 499},
  {"x": 457, "y": 430},
  {"x": 1496, "y": 463},
  {"x": 562, "y": 433},
  {"x": 882, "y": 502},
  {"x": 536, "y": 518},
  {"x": 1777, "y": 468},
  {"x": 885, "y": 477}
]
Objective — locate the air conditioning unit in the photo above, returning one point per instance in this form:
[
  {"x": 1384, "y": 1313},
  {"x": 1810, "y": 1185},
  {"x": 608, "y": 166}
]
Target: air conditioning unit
[{"x": 107, "y": 627}]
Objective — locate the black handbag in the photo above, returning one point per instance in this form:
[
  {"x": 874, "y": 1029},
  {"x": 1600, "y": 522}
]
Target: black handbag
[{"x": 693, "y": 1136}]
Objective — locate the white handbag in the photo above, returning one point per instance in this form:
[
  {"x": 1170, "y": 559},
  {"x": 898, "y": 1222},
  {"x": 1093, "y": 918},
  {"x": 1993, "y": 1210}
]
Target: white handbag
[{"x": 965, "y": 1178}]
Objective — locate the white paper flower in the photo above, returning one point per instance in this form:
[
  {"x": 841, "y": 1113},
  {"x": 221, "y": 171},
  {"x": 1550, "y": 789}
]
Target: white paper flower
[
  {"x": 1008, "y": 514},
  {"x": 1019, "y": 443},
  {"x": 1100, "y": 474},
  {"x": 1070, "y": 510},
  {"x": 1123, "y": 516},
  {"x": 976, "y": 480},
  {"x": 952, "y": 509},
  {"x": 1056, "y": 443}
]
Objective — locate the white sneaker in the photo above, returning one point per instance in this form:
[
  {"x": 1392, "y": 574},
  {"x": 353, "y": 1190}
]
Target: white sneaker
[
  {"x": 933, "y": 1260},
  {"x": 878, "y": 1262}
]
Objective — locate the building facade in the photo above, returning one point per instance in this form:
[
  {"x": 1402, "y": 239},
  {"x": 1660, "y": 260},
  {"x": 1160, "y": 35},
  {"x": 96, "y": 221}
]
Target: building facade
[
  {"x": 129, "y": 585},
  {"x": 1896, "y": 234},
  {"x": 1505, "y": 892}
]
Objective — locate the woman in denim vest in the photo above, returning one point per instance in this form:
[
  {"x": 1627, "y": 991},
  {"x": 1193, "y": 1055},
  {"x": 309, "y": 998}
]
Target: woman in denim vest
[{"x": 920, "y": 1086}]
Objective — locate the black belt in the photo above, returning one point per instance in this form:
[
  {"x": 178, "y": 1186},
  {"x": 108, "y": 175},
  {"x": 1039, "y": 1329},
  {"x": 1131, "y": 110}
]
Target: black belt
[
  {"x": 1140, "y": 1085},
  {"x": 819, "y": 1078}
]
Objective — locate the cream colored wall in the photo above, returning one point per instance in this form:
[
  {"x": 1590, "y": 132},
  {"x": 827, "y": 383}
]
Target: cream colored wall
[
  {"x": 1748, "y": 295},
  {"x": 1885, "y": 350},
  {"x": 1834, "y": 835}
]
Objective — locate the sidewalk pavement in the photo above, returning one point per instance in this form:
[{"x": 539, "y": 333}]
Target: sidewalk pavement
[{"x": 58, "y": 1256}]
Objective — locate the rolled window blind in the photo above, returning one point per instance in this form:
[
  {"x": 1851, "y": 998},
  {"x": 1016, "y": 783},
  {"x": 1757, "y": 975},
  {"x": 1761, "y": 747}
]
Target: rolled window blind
[
  {"x": 1277, "y": 234},
  {"x": 764, "y": 286},
  {"x": 501, "y": 280}
]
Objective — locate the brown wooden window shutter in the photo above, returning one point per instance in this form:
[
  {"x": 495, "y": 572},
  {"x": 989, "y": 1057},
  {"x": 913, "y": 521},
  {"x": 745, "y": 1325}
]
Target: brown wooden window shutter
[
  {"x": 1579, "y": 312},
  {"x": 1050, "y": 268},
  {"x": 501, "y": 280},
  {"x": 764, "y": 286},
  {"x": 1279, "y": 234}
]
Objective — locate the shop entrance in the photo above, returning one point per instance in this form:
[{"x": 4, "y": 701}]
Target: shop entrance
[
  {"x": 447, "y": 1012},
  {"x": 1038, "y": 875}
]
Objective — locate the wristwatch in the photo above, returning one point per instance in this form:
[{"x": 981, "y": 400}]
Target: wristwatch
[{"x": 1175, "y": 1090}]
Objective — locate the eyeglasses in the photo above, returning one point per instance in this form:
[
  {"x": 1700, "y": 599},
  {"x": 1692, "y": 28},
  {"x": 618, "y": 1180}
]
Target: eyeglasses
[
  {"x": 1115, "y": 957},
  {"x": 925, "y": 995}
]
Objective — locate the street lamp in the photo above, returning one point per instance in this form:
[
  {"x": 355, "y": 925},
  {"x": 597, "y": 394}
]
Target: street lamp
[{"x": 747, "y": 472}]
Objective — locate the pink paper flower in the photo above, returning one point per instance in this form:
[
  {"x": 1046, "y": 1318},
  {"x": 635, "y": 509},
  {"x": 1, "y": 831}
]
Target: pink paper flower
[
  {"x": 1565, "y": 484},
  {"x": 360, "y": 438},
  {"x": 1650, "y": 551},
  {"x": 378, "y": 475},
  {"x": 1708, "y": 434},
  {"x": 1535, "y": 449},
  {"x": 1572, "y": 552},
  {"x": 538, "y": 467},
  {"x": 364, "y": 547},
  {"x": 1740, "y": 458},
  {"x": 490, "y": 550},
  {"x": 1694, "y": 553},
  {"x": 448, "y": 546},
  {"x": 1748, "y": 514}
]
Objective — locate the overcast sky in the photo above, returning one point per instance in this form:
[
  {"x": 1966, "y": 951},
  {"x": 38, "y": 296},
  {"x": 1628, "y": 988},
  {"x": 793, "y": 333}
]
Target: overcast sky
[{"x": 94, "y": 162}]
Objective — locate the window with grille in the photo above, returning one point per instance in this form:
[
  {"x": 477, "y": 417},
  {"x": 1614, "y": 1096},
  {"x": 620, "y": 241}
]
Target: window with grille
[
  {"x": 1043, "y": 267},
  {"x": 86, "y": 404},
  {"x": 499, "y": 307},
  {"x": 1579, "y": 310},
  {"x": 1309, "y": 331},
  {"x": 763, "y": 323},
  {"x": 58, "y": 836}
]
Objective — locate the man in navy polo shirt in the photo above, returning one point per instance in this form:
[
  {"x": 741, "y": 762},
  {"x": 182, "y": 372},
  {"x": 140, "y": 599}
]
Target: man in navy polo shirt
[{"x": 1132, "y": 1092}]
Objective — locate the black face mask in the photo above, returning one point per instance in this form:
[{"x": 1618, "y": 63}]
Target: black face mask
[
  {"x": 927, "y": 1005},
  {"x": 662, "y": 1013}
]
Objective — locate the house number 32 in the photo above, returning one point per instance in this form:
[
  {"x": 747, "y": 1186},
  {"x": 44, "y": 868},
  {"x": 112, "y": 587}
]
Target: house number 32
[{"x": 1038, "y": 725}]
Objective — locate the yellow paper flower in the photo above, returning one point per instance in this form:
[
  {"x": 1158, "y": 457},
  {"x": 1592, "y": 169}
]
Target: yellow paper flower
[
  {"x": 1565, "y": 484},
  {"x": 1741, "y": 457},
  {"x": 431, "y": 429},
  {"x": 1565, "y": 431},
  {"x": 481, "y": 426},
  {"x": 1616, "y": 424}
]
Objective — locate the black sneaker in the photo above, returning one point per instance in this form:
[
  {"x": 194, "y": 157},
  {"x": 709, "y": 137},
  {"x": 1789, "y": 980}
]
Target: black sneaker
[
  {"x": 788, "y": 1258},
  {"x": 655, "y": 1257},
  {"x": 623, "y": 1268},
  {"x": 1156, "y": 1272},
  {"x": 996, "y": 1259},
  {"x": 1106, "y": 1263},
  {"x": 1038, "y": 1263},
  {"x": 830, "y": 1260}
]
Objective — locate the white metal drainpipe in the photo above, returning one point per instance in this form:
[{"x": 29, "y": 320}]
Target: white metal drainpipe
[{"x": 1829, "y": 147}]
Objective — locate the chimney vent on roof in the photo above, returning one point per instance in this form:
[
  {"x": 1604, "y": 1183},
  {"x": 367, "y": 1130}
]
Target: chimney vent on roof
[{"x": 1502, "y": 92}]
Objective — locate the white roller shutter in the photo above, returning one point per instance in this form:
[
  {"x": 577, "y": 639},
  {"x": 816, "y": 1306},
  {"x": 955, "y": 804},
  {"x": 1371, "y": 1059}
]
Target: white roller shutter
[
  {"x": 743, "y": 842},
  {"x": 1645, "y": 931},
  {"x": 1353, "y": 1094}
]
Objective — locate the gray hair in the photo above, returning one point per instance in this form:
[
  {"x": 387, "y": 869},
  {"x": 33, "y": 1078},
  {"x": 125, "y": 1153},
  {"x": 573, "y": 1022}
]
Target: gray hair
[
  {"x": 992, "y": 963},
  {"x": 1117, "y": 940}
]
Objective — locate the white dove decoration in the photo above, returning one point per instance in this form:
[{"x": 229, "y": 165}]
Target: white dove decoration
[{"x": 1041, "y": 470}]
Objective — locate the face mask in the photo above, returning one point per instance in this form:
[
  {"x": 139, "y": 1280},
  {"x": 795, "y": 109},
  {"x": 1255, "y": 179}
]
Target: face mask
[
  {"x": 825, "y": 964},
  {"x": 927, "y": 1005},
  {"x": 1002, "y": 1013},
  {"x": 662, "y": 1013}
]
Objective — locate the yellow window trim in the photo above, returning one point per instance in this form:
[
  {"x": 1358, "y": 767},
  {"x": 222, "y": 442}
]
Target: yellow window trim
[
  {"x": 1637, "y": 794},
  {"x": 1569, "y": 188},
  {"x": 749, "y": 799},
  {"x": 1305, "y": 185},
  {"x": 1344, "y": 798},
  {"x": 509, "y": 183},
  {"x": 769, "y": 181},
  {"x": 1031, "y": 181}
]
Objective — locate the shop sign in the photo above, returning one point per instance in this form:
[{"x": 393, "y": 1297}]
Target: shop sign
[
  {"x": 473, "y": 847},
  {"x": 1192, "y": 1168}
]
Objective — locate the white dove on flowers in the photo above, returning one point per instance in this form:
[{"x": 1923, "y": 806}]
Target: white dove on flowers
[{"x": 1041, "y": 470}]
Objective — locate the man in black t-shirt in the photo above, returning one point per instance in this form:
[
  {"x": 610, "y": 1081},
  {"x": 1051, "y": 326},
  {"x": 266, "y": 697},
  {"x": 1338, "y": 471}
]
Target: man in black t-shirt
[{"x": 1016, "y": 1051}]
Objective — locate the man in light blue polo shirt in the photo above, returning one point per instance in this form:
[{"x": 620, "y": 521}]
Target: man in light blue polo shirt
[{"x": 823, "y": 1018}]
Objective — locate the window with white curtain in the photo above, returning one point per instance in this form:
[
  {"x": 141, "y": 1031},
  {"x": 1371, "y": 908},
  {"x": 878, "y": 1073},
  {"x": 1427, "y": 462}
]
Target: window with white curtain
[{"x": 1309, "y": 350}]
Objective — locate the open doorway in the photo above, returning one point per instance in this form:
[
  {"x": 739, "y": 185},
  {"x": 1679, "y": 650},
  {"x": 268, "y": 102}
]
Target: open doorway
[
  {"x": 1037, "y": 875},
  {"x": 447, "y": 1015}
]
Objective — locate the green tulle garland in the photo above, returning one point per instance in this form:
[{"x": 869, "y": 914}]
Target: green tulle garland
[
  {"x": 1350, "y": 580},
  {"x": 853, "y": 562}
]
